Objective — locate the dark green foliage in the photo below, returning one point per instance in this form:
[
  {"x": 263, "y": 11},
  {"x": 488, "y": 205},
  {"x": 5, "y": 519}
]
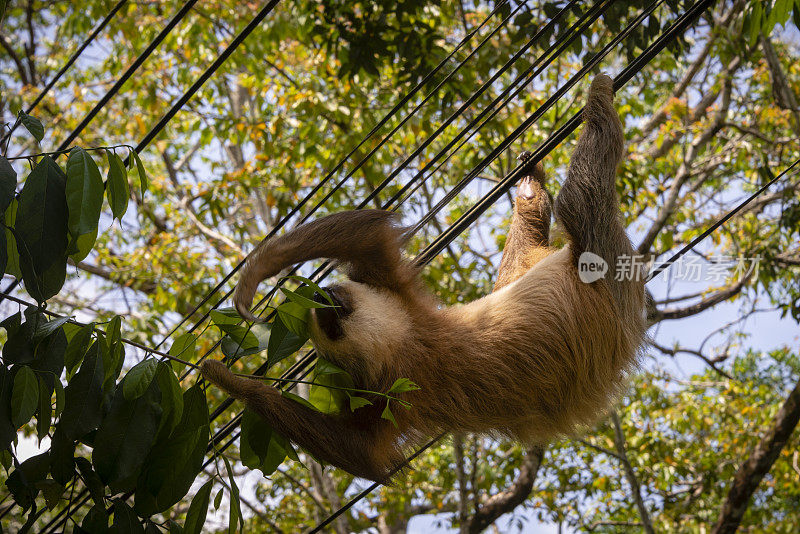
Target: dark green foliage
[
  {"x": 84, "y": 396},
  {"x": 126, "y": 436},
  {"x": 260, "y": 447},
  {"x": 174, "y": 461}
]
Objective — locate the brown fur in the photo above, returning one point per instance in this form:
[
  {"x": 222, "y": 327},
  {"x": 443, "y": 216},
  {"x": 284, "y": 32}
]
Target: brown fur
[{"x": 541, "y": 356}]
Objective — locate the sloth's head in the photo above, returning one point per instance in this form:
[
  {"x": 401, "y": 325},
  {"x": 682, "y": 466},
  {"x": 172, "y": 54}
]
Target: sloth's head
[{"x": 364, "y": 320}]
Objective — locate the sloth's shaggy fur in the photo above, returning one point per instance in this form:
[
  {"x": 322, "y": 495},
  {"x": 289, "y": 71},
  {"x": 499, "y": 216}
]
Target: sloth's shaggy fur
[{"x": 540, "y": 357}]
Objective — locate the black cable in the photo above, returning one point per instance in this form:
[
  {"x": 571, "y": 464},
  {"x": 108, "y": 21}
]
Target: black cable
[
  {"x": 206, "y": 75},
  {"x": 381, "y": 186},
  {"x": 341, "y": 163},
  {"x": 128, "y": 73},
  {"x": 373, "y": 486},
  {"x": 326, "y": 268},
  {"x": 531, "y": 72},
  {"x": 679, "y": 26},
  {"x": 567, "y": 38},
  {"x": 69, "y": 63},
  {"x": 694, "y": 242},
  {"x": 202, "y": 79}
]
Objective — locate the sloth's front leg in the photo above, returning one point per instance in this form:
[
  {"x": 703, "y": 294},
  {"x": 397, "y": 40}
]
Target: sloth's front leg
[
  {"x": 529, "y": 235},
  {"x": 365, "y": 450}
]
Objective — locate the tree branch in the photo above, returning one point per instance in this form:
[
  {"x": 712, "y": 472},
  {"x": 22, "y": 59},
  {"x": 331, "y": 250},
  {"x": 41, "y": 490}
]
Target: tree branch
[
  {"x": 23, "y": 74},
  {"x": 708, "y": 302},
  {"x": 784, "y": 96},
  {"x": 711, "y": 363},
  {"x": 619, "y": 442},
  {"x": 507, "y": 500},
  {"x": 759, "y": 463}
]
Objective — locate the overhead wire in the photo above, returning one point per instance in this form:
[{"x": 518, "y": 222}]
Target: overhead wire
[
  {"x": 462, "y": 108},
  {"x": 132, "y": 68},
  {"x": 72, "y": 59},
  {"x": 678, "y": 27},
  {"x": 177, "y": 105},
  {"x": 295, "y": 209},
  {"x": 323, "y": 270}
]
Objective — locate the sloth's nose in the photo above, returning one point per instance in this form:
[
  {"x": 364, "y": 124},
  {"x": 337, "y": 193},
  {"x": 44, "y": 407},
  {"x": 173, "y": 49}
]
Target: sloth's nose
[{"x": 320, "y": 298}]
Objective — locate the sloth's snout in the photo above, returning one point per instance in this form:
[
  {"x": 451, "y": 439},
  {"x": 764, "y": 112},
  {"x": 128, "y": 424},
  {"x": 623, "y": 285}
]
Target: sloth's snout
[{"x": 329, "y": 319}]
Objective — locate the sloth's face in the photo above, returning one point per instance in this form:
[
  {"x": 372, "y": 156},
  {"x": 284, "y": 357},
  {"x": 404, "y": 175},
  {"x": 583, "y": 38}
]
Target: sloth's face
[{"x": 365, "y": 321}]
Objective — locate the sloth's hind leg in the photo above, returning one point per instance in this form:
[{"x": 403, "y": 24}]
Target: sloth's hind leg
[{"x": 529, "y": 235}]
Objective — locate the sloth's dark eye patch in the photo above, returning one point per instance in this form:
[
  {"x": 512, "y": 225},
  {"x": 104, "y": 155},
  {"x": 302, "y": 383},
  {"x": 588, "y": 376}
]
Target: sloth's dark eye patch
[{"x": 329, "y": 319}]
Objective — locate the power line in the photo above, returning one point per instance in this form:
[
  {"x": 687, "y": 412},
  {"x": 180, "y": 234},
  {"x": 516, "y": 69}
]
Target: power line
[
  {"x": 341, "y": 163},
  {"x": 69, "y": 63},
  {"x": 432, "y": 137},
  {"x": 325, "y": 269},
  {"x": 708, "y": 231},
  {"x": 679, "y": 26},
  {"x": 128, "y": 73},
  {"x": 220, "y": 436}
]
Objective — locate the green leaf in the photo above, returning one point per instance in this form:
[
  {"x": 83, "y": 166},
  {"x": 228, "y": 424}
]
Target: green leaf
[
  {"x": 8, "y": 184},
  {"x": 3, "y": 250},
  {"x": 59, "y": 389},
  {"x": 22, "y": 482},
  {"x": 171, "y": 399},
  {"x": 401, "y": 385},
  {"x": 96, "y": 520},
  {"x": 8, "y": 432},
  {"x": 114, "y": 331},
  {"x": 62, "y": 452},
  {"x": 138, "y": 379},
  {"x": 12, "y": 254},
  {"x": 295, "y": 317},
  {"x": 24, "y": 396},
  {"x": 125, "y": 437},
  {"x": 83, "y": 396},
  {"x": 387, "y": 414},
  {"x": 310, "y": 283},
  {"x": 329, "y": 399},
  {"x": 92, "y": 481},
  {"x": 48, "y": 327},
  {"x": 175, "y": 461},
  {"x": 236, "y": 507},
  {"x": 358, "y": 402},
  {"x": 49, "y": 360},
  {"x": 18, "y": 347},
  {"x": 81, "y": 247},
  {"x": 324, "y": 367},
  {"x": 117, "y": 185},
  {"x": 282, "y": 343},
  {"x": 140, "y": 171},
  {"x": 40, "y": 229},
  {"x": 33, "y": 125},
  {"x": 52, "y": 492},
  {"x": 196, "y": 516},
  {"x": 260, "y": 447},
  {"x": 76, "y": 348},
  {"x": 184, "y": 347},
  {"x": 84, "y": 193},
  {"x": 125, "y": 520},
  {"x": 305, "y": 302},
  {"x": 218, "y": 498},
  {"x": 44, "y": 412}
]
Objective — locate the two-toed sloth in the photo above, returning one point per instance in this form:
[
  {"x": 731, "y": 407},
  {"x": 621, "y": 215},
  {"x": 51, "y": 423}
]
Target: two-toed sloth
[{"x": 543, "y": 354}]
